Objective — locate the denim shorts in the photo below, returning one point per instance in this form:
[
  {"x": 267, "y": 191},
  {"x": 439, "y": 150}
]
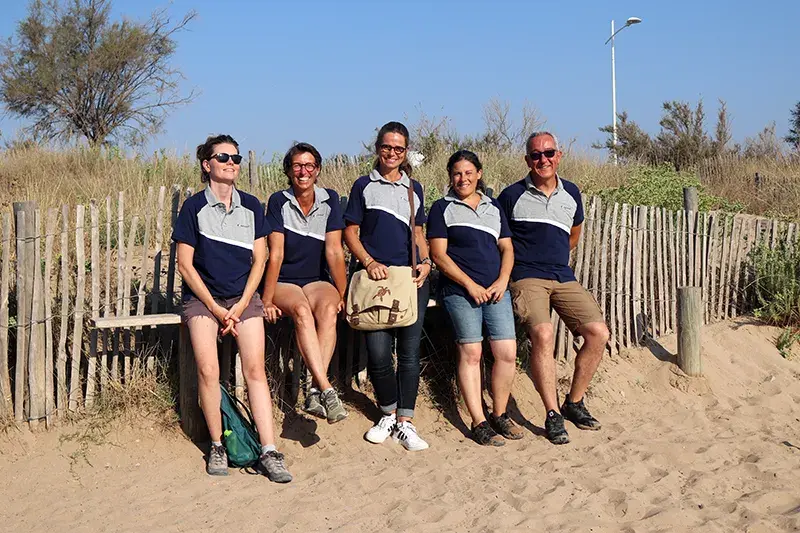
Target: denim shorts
[{"x": 468, "y": 318}]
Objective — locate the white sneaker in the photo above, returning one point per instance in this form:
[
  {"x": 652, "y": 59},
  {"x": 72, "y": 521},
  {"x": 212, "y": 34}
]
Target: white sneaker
[
  {"x": 380, "y": 431},
  {"x": 406, "y": 434}
]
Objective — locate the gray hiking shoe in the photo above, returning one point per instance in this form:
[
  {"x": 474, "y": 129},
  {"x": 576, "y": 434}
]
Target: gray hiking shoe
[
  {"x": 274, "y": 467},
  {"x": 314, "y": 405},
  {"x": 333, "y": 406},
  {"x": 217, "y": 464}
]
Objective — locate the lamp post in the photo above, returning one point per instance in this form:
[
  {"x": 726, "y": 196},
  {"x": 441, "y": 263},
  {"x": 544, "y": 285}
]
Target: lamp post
[{"x": 629, "y": 22}]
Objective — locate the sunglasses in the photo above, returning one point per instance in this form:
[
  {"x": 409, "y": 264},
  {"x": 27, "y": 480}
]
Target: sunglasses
[
  {"x": 223, "y": 158},
  {"x": 536, "y": 156},
  {"x": 398, "y": 150}
]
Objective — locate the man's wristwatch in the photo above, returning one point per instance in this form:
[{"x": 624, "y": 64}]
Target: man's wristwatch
[{"x": 427, "y": 261}]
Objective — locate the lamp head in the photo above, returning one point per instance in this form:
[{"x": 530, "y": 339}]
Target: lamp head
[{"x": 632, "y": 20}]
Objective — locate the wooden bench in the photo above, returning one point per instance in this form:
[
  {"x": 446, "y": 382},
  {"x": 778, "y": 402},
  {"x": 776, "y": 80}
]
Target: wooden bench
[{"x": 114, "y": 322}]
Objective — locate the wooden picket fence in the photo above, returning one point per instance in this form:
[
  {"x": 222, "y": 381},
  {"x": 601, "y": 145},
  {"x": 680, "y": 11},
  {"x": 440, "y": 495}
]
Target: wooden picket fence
[{"x": 631, "y": 258}]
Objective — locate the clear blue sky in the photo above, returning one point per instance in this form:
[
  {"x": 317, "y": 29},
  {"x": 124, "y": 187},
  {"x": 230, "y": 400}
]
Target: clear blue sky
[{"x": 330, "y": 72}]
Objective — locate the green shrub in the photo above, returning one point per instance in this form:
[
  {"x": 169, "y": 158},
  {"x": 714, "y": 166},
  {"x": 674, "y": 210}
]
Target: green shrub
[
  {"x": 776, "y": 290},
  {"x": 662, "y": 186},
  {"x": 788, "y": 337}
]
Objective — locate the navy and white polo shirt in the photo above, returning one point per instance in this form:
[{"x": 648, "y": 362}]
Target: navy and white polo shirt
[
  {"x": 540, "y": 228},
  {"x": 472, "y": 236},
  {"x": 380, "y": 207},
  {"x": 304, "y": 235},
  {"x": 222, "y": 240}
]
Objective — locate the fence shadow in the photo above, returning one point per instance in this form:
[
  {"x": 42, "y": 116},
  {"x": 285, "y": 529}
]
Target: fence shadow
[{"x": 661, "y": 353}]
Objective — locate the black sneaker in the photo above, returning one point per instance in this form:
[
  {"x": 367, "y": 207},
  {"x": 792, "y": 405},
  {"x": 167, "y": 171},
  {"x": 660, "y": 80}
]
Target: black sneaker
[
  {"x": 578, "y": 414},
  {"x": 554, "y": 426},
  {"x": 486, "y": 436},
  {"x": 506, "y": 427}
]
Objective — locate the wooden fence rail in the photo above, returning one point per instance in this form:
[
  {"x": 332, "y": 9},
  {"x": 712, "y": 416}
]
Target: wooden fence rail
[{"x": 632, "y": 259}]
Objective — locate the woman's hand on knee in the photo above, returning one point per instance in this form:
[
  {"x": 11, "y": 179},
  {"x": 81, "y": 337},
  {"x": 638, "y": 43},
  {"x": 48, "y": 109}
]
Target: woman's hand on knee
[{"x": 271, "y": 311}]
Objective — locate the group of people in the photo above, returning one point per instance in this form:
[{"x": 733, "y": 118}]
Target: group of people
[{"x": 497, "y": 257}]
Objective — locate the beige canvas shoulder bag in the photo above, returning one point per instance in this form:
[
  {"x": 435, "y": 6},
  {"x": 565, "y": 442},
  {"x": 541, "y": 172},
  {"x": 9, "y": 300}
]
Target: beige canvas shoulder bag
[{"x": 387, "y": 303}]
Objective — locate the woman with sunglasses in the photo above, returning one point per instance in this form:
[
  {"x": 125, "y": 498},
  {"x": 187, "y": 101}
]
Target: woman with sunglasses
[
  {"x": 220, "y": 234},
  {"x": 471, "y": 245},
  {"x": 306, "y": 222},
  {"x": 380, "y": 230}
]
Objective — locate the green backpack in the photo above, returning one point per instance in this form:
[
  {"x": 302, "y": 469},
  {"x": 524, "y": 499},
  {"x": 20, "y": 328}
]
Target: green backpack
[{"x": 239, "y": 434}]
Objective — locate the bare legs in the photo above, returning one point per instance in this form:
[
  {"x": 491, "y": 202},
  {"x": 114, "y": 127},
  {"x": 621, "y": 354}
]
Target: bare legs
[
  {"x": 203, "y": 334},
  {"x": 543, "y": 365},
  {"x": 313, "y": 308},
  {"x": 469, "y": 376}
]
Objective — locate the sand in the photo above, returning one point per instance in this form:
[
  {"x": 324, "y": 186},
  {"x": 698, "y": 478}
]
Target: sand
[{"x": 719, "y": 453}]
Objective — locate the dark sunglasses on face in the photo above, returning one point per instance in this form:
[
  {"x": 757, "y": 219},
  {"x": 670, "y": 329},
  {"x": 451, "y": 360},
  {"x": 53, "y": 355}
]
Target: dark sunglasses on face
[
  {"x": 398, "y": 150},
  {"x": 536, "y": 156},
  {"x": 223, "y": 158}
]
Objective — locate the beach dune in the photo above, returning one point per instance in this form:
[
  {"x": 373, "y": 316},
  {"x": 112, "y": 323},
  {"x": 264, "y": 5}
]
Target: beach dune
[{"x": 717, "y": 453}]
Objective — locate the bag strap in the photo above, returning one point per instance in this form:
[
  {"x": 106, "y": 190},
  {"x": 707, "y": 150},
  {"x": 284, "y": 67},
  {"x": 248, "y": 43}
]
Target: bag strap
[
  {"x": 243, "y": 409},
  {"x": 412, "y": 225}
]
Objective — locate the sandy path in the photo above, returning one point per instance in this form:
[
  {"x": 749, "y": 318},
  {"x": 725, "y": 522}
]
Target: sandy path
[{"x": 720, "y": 453}]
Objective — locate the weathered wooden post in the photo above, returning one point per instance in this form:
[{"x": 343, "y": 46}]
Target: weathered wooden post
[
  {"x": 690, "y": 316},
  {"x": 691, "y": 205},
  {"x": 30, "y": 359},
  {"x": 5, "y": 377},
  {"x": 192, "y": 421},
  {"x": 252, "y": 171},
  {"x": 691, "y": 201}
]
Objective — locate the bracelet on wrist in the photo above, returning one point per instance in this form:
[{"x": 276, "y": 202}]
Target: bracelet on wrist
[{"x": 369, "y": 261}]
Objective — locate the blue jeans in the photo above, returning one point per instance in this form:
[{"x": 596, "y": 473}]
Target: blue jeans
[
  {"x": 468, "y": 318},
  {"x": 397, "y": 390}
]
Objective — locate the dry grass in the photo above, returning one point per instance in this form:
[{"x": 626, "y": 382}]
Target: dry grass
[
  {"x": 54, "y": 178},
  {"x": 145, "y": 395},
  {"x": 6, "y": 422},
  {"x": 733, "y": 178}
]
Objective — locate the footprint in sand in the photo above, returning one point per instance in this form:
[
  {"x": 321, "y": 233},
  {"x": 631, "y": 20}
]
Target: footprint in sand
[
  {"x": 619, "y": 501},
  {"x": 658, "y": 474}
]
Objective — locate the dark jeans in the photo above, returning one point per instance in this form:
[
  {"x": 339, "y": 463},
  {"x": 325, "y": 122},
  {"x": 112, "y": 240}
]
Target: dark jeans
[{"x": 397, "y": 390}]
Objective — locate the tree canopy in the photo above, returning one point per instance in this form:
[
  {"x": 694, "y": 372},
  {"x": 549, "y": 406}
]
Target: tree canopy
[
  {"x": 794, "y": 128},
  {"x": 682, "y": 140},
  {"x": 72, "y": 72}
]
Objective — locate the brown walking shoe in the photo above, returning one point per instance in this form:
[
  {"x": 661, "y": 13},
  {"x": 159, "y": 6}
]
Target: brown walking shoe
[{"x": 506, "y": 427}]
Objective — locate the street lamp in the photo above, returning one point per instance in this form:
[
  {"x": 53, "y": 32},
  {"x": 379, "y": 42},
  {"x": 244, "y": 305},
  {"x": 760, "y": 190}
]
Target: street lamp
[{"x": 631, "y": 21}]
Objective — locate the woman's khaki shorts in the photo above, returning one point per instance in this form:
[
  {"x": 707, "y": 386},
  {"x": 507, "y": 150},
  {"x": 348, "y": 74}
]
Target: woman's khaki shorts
[{"x": 533, "y": 298}]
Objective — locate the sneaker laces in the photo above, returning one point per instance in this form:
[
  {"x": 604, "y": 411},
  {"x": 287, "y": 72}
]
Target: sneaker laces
[
  {"x": 217, "y": 453},
  {"x": 330, "y": 395},
  {"x": 579, "y": 408},
  {"x": 275, "y": 457},
  {"x": 386, "y": 422},
  {"x": 410, "y": 434}
]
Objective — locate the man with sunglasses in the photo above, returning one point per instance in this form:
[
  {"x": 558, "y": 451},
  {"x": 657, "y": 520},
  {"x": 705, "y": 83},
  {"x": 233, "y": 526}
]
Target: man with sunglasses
[{"x": 545, "y": 214}]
